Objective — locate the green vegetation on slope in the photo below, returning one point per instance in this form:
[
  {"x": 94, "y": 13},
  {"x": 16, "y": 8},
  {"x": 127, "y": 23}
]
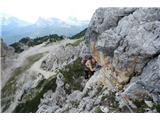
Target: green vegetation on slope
[
  {"x": 78, "y": 38},
  {"x": 72, "y": 73},
  {"x": 17, "y": 47},
  {"x": 79, "y": 35},
  {"x": 76, "y": 42},
  {"x": 32, "y": 42},
  {"x": 10, "y": 87},
  {"x": 39, "y": 40},
  {"x": 98, "y": 110},
  {"x": 142, "y": 106},
  {"x": 51, "y": 38},
  {"x": 32, "y": 99}
]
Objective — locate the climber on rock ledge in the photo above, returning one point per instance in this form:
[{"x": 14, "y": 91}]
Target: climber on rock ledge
[{"x": 90, "y": 66}]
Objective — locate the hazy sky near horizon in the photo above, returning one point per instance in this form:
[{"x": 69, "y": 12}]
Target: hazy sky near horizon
[{"x": 31, "y": 10}]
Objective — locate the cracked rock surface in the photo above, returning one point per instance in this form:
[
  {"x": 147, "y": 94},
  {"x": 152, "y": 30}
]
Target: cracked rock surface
[{"x": 128, "y": 40}]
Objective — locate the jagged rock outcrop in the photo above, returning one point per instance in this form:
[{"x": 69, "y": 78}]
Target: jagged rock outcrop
[
  {"x": 94, "y": 97},
  {"x": 7, "y": 55},
  {"x": 6, "y": 52},
  {"x": 54, "y": 60},
  {"x": 34, "y": 72},
  {"x": 127, "y": 41}
]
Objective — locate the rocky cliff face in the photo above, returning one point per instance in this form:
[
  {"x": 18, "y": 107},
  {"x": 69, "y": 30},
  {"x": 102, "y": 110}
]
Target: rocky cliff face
[
  {"x": 7, "y": 55},
  {"x": 6, "y": 52},
  {"x": 124, "y": 41},
  {"x": 127, "y": 41}
]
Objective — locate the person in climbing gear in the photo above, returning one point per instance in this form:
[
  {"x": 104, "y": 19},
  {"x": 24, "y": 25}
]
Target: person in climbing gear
[
  {"x": 86, "y": 70},
  {"x": 90, "y": 67}
]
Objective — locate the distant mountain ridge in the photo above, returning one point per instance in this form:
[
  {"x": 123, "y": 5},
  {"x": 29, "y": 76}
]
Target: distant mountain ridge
[
  {"x": 14, "y": 29},
  {"x": 27, "y": 42}
]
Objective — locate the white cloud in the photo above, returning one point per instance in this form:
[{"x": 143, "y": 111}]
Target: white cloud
[
  {"x": 31, "y": 9},
  {"x": 81, "y": 9}
]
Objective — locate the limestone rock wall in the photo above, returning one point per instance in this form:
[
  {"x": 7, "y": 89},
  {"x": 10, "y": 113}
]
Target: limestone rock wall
[{"x": 127, "y": 41}]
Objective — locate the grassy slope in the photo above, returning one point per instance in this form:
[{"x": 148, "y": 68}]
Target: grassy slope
[
  {"x": 32, "y": 42},
  {"x": 79, "y": 35}
]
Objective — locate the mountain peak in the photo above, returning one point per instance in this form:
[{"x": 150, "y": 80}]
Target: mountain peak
[{"x": 15, "y": 29}]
